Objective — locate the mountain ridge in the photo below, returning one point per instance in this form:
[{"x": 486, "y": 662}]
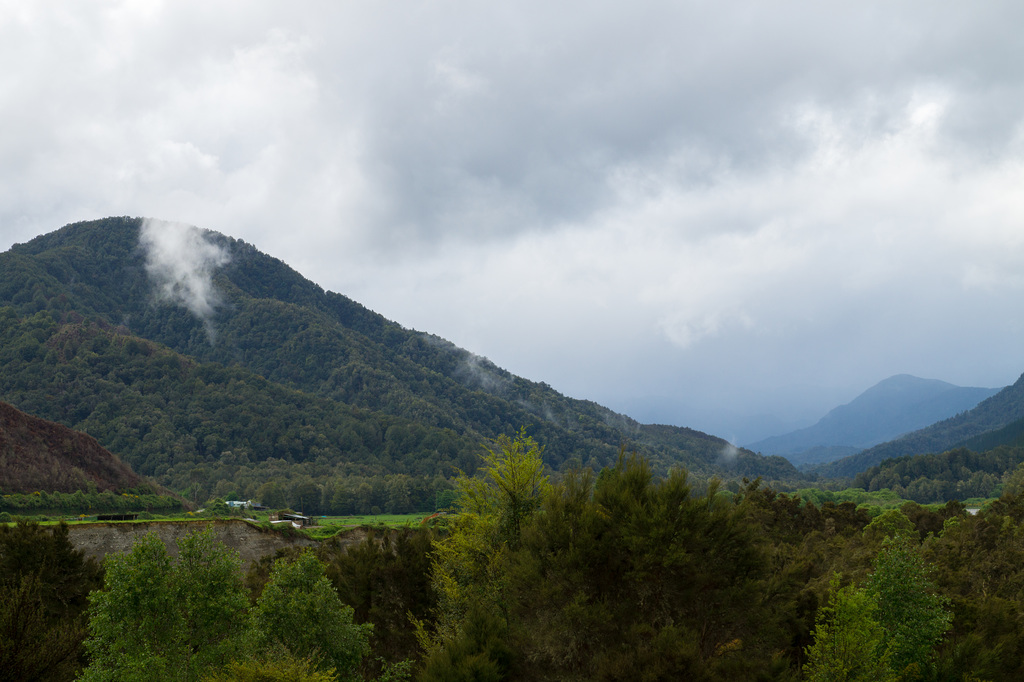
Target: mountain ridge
[
  {"x": 278, "y": 370},
  {"x": 894, "y": 406},
  {"x": 991, "y": 414}
]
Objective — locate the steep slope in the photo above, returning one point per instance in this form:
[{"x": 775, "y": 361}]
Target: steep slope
[
  {"x": 40, "y": 455},
  {"x": 994, "y": 413},
  {"x": 256, "y": 367},
  {"x": 892, "y": 407}
]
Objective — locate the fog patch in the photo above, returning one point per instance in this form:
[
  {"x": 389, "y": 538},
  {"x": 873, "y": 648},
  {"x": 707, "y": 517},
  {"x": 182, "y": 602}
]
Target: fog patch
[
  {"x": 481, "y": 373},
  {"x": 728, "y": 453},
  {"x": 180, "y": 262}
]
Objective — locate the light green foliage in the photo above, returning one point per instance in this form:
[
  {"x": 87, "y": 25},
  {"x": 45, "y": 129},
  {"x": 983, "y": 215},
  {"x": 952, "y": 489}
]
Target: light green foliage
[
  {"x": 847, "y": 638},
  {"x": 511, "y": 487},
  {"x": 283, "y": 667},
  {"x": 889, "y": 523},
  {"x": 469, "y": 564},
  {"x": 912, "y": 615},
  {"x": 157, "y": 619},
  {"x": 300, "y": 612},
  {"x": 217, "y": 507},
  {"x": 887, "y": 629}
]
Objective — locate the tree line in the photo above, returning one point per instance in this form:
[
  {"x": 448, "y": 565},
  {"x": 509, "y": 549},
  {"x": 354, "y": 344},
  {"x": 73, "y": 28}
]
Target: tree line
[
  {"x": 89, "y": 502},
  {"x": 590, "y": 576}
]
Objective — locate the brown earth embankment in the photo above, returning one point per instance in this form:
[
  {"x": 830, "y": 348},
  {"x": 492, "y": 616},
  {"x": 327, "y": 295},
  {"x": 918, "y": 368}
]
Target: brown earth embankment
[{"x": 251, "y": 542}]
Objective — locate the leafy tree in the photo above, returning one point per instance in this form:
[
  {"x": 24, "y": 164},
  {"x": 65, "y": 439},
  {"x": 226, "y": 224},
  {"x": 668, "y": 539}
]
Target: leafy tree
[
  {"x": 300, "y": 612},
  {"x": 631, "y": 573},
  {"x": 479, "y": 653},
  {"x": 469, "y": 564},
  {"x": 159, "y": 619},
  {"x": 34, "y": 646},
  {"x": 44, "y": 584},
  {"x": 386, "y": 580},
  {"x": 913, "y": 617},
  {"x": 511, "y": 487},
  {"x": 848, "y": 639}
]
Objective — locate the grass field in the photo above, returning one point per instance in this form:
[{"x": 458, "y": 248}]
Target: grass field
[{"x": 326, "y": 527}]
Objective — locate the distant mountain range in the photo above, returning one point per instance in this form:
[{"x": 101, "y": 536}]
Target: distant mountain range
[
  {"x": 893, "y": 407},
  {"x": 212, "y": 367},
  {"x": 996, "y": 421}
]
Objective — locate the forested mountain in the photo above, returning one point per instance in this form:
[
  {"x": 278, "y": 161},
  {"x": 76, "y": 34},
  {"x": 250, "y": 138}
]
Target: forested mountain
[
  {"x": 39, "y": 455},
  {"x": 220, "y": 369},
  {"x": 992, "y": 414},
  {"x": 956, "y": 474},
  {"x": 892, "y": 407}
]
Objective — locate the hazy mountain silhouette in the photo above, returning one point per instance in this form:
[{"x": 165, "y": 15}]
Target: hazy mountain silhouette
[{"x": 889, "y": 409}]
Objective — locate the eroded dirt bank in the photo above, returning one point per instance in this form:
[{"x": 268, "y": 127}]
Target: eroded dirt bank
[{"x": 100, "y": 539}]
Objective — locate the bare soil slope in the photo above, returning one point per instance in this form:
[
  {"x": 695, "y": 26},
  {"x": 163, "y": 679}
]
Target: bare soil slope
[{"x": 36, "y": 454}]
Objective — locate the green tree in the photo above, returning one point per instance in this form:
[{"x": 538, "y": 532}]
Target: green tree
[
  {"x": 300, "y": 612},
  {"x": 913, "y": 616},
  {"x": 511, "y": 487},
  {"x": 479, "y": 653},
  {"x": 635, "y": 577},
  {"x": 385, "y": 579},
  {"x": 469, "y": 565},
  {"x": 157, "y": 619},
  {"x": 848, "y": 638},
  {"x": 44, "y": 586}
]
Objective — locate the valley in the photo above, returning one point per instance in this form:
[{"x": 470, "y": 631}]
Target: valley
[{"x": 163, "y": 390}]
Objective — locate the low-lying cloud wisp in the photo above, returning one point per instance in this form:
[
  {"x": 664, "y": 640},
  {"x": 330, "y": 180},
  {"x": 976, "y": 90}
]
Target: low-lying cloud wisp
[{"x": 180, "y": 262}]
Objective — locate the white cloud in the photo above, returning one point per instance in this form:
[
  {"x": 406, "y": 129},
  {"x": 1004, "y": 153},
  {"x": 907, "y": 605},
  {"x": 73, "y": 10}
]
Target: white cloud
[{"x": 180, "y": 262}]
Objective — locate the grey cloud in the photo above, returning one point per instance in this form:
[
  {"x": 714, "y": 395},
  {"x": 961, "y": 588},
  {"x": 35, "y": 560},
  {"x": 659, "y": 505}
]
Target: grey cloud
[{"x": 704, "y": 202}]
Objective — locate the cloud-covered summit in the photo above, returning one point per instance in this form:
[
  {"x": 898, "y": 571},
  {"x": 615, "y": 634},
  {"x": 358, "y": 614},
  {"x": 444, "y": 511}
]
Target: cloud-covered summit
[{"x": 180, "y": 262}]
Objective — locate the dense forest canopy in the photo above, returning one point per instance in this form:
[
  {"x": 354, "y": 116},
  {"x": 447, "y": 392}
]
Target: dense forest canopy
[
  {"x": 993, "y": 422},
  {"x": 276, "y": 381},
  {"x": 593, "y": 577}
]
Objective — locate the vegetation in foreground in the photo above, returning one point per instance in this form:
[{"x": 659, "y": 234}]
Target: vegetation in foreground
[{"x": 592, "y": 577}]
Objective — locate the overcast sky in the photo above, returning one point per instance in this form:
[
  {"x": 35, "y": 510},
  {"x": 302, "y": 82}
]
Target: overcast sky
[{"x": 731, "y": 216}]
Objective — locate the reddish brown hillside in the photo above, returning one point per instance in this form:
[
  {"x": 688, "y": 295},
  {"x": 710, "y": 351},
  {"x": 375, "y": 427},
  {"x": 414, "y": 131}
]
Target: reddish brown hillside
[{"x": 36, "y": 454}]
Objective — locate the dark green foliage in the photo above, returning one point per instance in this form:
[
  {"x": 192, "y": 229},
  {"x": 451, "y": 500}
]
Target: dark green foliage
[
  {"x": 979, "y": 566},
  {"x": 44, "y": 583},
  {"x": 935, "y": 478},
  {"x": 386, "y": 580},
  {"x": 481, "y": 653},
  {"x": 611, "y": 581},
  {"x": 294, "y": 375}
]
